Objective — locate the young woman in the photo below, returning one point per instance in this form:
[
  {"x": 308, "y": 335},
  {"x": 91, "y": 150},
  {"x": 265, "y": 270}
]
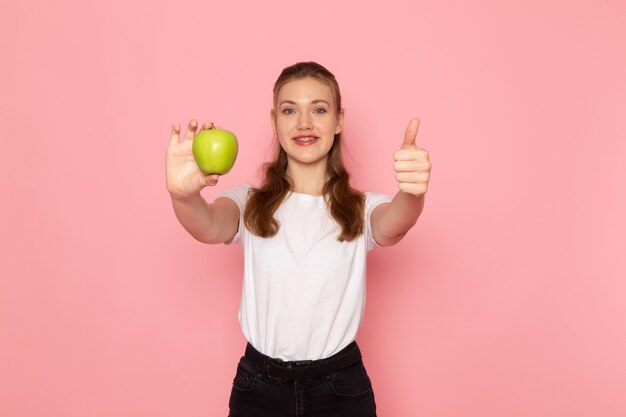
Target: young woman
[{"x": 305, "y": 233}]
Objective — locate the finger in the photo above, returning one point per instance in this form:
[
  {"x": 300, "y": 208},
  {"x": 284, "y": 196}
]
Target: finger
[
  {"x": 411, "y": 133},
  {"x": 412, "y": 166},
  {"x": 208, "y": 126},
  {"x": 415, "y": 154},
  {"x": 191, "y": 129},
  {"x": 413, "y": 177},
  {"x": 408, "y": 166},
  {"x": 175, "y": 133}
]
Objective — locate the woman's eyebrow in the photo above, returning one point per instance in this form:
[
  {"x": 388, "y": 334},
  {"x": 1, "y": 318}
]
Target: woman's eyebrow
[{"x": 316, "y": 101}]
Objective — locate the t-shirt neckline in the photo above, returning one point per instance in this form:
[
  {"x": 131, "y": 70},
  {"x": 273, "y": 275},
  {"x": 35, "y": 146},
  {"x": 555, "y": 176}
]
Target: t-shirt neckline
[{"x": 306, "y": 195}]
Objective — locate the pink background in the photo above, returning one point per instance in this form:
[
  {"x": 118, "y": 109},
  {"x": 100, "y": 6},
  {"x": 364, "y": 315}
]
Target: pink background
[{"x": 507, "y": 299}]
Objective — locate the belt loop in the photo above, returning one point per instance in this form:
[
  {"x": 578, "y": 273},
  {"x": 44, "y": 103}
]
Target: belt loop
[{"x": 268, "y": 364}]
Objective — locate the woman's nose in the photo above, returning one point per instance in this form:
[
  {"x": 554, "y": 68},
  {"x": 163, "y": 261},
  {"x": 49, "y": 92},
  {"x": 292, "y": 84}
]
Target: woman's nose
[{"x": 304, "y": 122}]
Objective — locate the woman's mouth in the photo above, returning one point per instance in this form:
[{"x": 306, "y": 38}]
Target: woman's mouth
[{"x": 305, "y": 140}]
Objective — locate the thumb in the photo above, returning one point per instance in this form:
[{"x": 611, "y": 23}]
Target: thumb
[{"x": 411, "y": 134}]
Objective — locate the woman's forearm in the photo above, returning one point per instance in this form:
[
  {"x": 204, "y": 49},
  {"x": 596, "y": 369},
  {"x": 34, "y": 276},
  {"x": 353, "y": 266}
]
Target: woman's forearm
[
  {"x": 396, "y": 218},
  {"x": 207, "y": 223}
]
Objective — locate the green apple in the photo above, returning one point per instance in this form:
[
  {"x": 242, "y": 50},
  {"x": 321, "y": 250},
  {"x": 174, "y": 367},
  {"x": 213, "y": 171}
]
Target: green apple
[{"x": 215, "y": 150}]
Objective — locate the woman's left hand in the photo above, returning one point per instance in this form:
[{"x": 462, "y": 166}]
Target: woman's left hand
[{"x": 411, "y": 163}]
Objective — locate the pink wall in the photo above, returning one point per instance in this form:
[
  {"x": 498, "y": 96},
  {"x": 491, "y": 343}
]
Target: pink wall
[{"x": 507, "y": 299}]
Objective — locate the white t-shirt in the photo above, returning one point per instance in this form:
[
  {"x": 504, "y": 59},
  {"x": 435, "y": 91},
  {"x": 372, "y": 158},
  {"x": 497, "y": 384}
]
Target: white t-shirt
[{"x": 303, "y": 293}]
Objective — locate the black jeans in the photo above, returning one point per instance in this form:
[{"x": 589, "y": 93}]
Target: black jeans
[{"x": 345, "y": 392}]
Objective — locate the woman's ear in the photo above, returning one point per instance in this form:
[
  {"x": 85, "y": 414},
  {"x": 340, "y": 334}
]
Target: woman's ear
[
  {"x": 273, "y": 120},
  {"x": 340, "y": 118}
]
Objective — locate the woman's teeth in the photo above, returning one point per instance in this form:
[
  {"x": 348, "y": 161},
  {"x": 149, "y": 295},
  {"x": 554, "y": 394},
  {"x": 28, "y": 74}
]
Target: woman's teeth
[{"x": 304, "y": 140}]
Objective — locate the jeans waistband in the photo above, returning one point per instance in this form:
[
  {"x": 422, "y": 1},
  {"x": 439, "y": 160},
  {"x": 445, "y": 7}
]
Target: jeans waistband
[{"x": 301, "y": 370}]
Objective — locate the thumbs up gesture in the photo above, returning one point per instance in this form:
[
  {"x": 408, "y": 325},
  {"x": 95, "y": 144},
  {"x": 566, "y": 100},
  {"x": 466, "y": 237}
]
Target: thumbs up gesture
[{"x": 411, "y": 163}]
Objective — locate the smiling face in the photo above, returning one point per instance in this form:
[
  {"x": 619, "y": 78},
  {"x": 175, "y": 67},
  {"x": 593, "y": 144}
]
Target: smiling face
[{"x": 305, "y": 120}]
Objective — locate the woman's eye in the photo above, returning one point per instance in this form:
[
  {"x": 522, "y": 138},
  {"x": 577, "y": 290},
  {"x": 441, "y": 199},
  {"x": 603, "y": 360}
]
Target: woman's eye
[
  {"x": 287, "y": 111},
  {"x": 320, "y": 110}
]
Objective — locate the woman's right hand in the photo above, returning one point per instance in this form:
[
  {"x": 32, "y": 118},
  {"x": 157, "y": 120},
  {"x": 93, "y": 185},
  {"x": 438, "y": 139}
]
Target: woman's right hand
[{"x": 183, "y": 177}]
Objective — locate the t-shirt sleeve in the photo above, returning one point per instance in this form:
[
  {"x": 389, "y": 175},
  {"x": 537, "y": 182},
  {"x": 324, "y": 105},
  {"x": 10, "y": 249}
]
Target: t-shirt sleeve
[
  {"x": 239, "y": 196},
  {"x": 372, "y": 200}
]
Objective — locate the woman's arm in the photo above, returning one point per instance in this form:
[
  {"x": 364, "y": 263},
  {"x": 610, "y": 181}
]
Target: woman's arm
[
  {"x": 208, "y": 223},
  {"x": 391, "y": 221}
]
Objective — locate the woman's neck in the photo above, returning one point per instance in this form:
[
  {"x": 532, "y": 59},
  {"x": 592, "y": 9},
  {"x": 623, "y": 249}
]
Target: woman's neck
[{"x": 307, "y": 179}]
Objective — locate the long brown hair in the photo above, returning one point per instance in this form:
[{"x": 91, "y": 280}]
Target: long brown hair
[{"x": 344, "y": 202}]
